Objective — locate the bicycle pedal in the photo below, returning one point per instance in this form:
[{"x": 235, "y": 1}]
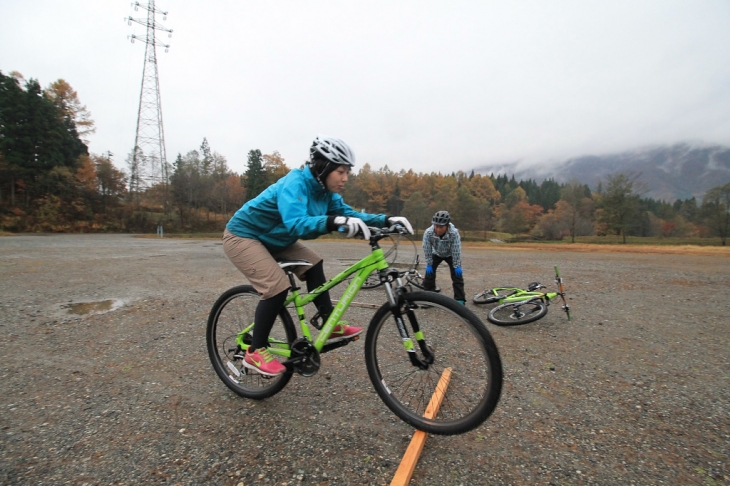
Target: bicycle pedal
[{"x": 349, "y": 340}]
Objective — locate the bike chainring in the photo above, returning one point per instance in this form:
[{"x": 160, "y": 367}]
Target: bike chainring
[{"x": 305, "y": 357}]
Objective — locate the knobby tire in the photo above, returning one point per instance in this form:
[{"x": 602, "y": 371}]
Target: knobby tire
[
  {"x": 458, "y": 340},
  {"x": 232, "y": 312},
  {"x": 514, "y": 314}
]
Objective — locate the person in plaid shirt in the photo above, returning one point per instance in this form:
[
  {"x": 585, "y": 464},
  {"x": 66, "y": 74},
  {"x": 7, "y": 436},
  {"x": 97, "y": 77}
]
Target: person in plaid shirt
[{"x": 442, "y": 243}]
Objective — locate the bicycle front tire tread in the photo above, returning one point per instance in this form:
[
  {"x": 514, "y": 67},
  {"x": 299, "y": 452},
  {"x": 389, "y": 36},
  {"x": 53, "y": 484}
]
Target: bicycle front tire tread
[
  {"x": 479, "y": 409},
  {"x": 495, "y": 316}
]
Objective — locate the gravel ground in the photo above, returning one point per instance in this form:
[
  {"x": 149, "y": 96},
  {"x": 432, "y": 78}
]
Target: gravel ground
[{"x": 634, "y": 390}]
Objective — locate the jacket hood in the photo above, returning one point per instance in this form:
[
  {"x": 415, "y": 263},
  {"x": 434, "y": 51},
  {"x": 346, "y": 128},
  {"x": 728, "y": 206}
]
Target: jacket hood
[{"x": 312, "y": 182}]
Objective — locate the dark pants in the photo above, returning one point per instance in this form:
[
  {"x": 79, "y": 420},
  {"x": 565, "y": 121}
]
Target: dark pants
[
  {"x": 268, "y": 309},
  {"x": 458, "y": 282}
]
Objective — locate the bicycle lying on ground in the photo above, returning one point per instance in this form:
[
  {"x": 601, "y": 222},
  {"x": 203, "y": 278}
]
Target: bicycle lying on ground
[
  {"x": 520, "y": 306},
  {"x": 412, "y": 353},
  {"x": 491, "y": 296}
]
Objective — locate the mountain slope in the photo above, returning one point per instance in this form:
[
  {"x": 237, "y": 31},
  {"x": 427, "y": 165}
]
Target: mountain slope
[{"x": 673, "y": 172}]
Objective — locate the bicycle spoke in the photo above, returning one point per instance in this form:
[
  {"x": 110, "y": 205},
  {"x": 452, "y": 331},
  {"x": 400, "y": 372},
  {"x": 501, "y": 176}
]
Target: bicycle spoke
[
  {"x": 520, "y": 313},
  {"x": 233, "y": 313},
  {"x": 456, "y": 342}
]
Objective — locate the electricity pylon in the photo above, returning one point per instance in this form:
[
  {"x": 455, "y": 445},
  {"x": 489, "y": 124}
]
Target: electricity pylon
[{"x": 149, "y": 161}]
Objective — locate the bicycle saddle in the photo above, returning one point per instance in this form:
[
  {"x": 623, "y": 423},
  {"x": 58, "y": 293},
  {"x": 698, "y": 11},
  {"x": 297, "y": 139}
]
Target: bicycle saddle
[{"x": 293, "y": 263}]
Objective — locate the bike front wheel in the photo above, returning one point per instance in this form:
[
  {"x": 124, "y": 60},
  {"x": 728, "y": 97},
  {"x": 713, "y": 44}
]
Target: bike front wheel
[
  {"x": 515, "y": 313},
  {"x": 231, "y": 314},
  {"x": 458, "y": 348}
]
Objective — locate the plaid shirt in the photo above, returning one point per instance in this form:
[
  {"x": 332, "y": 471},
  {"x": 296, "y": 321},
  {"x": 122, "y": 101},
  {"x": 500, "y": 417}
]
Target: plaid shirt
[{"x": 448, "y": 245}]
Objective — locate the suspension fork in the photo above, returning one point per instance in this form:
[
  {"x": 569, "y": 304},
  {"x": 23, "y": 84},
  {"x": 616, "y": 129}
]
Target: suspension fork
[{"x": 397, "y": 302}]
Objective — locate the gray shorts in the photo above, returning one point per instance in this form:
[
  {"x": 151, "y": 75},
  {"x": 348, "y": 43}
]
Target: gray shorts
[{"x": 259, "y": 266}]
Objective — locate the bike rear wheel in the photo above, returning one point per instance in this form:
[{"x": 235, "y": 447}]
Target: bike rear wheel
[
  {"x": 416, "y": 280},
  {"x": 458, "y": 340},
  {"x": 232, "y": 312},
  {"x": 513, "y": 314},
  {"x": 490, "y": 296},
  {"x": 372, "y": 281}
]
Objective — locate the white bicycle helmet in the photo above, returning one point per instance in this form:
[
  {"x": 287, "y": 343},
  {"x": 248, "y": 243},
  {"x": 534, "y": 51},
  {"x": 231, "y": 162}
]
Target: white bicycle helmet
[{"x": 326, "y": 154}]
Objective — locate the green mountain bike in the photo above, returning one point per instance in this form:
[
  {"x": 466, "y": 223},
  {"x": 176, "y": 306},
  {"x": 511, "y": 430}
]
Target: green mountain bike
[
  {"x": 520, "y": 306},
  {"x": 494, "y": 295},
  {"x": 419, "y": 345}
]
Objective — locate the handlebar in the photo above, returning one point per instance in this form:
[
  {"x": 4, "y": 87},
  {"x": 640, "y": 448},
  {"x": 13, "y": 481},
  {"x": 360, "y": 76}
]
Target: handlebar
[
  {"x": 388, "y": 230},
  {"x": 377, "y": 234}
]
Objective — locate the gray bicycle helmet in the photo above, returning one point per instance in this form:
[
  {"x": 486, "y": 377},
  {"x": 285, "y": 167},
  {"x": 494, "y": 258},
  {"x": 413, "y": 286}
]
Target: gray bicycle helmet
[
  {"x": 441, "y": 218},
  {"x": 326, "y": 154}
]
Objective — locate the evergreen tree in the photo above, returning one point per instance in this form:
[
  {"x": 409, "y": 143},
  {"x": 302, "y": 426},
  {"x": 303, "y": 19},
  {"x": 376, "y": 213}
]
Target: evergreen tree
[
  {"x": 11, "y": 136},
  {"x": 716, "y": 209},
  {"x": 548, "y": 194},
  {"x": 620, "y": 204},
  {"x": 35, "y": 136},
  {"x": 255, "y": 177},
  {"x": 688, "y": 209}
]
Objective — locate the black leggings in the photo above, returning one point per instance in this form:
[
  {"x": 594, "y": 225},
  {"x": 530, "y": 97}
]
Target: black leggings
[{"x": 268, "y": 309}]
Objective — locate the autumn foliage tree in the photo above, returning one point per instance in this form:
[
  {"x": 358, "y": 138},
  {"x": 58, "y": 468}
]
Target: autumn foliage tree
[
  {"x": 35, "y": 138},
  {"x": 66, "y": 99},
  {"x": 274, "y": 167},
  {"x": 50, "y": 182},
  {"x": 578, "y": 208}
]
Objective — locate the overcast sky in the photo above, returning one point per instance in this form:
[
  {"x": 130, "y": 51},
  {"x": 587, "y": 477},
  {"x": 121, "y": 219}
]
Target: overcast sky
[{"x": 424, "y": 85}]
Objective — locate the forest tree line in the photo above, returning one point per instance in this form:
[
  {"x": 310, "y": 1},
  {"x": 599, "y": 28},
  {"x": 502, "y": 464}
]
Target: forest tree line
[{"x": 50, "y": 183}]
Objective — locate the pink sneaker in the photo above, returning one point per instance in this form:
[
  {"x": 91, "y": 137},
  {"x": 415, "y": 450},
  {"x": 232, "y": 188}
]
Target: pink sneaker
[
  {"x": 263, "y": 362},
  {"x": 342, "y": 331}
]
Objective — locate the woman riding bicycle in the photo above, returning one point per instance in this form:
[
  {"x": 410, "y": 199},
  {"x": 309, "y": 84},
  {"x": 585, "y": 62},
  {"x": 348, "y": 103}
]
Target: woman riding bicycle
[{"x": 304, "y": 204}]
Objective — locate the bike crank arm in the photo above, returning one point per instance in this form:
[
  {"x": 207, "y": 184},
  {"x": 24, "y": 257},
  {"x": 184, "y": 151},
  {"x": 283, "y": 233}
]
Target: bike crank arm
[{"x": 329, "y": 347}]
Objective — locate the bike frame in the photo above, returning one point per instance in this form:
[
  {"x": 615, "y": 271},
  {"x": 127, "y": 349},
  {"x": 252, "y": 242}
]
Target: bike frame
[
  {"x": 375, "y": 261},
  {"x": 527, "y": 296}
]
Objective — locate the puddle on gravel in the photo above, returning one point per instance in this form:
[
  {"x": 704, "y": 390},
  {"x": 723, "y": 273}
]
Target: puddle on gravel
[{"x": 88, "y": 308}]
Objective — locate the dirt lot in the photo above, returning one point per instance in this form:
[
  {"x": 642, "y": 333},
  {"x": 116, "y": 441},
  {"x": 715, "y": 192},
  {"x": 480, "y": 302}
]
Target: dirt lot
[{"x": 106, "y": 380}]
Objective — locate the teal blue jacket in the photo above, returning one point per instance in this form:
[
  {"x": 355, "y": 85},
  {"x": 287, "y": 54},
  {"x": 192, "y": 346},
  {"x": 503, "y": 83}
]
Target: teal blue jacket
[{"x": 295, "y": 207}]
